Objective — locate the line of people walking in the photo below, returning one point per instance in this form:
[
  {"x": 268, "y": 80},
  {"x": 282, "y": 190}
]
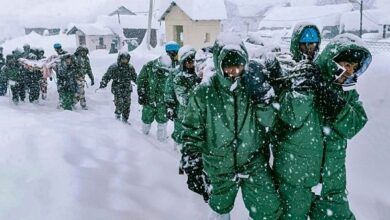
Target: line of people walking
[{"x": 276, "y": 127}]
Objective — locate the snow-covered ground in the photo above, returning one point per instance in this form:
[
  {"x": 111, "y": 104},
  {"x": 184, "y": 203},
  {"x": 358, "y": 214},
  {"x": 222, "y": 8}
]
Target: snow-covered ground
[{"x": 80, "y": 165}]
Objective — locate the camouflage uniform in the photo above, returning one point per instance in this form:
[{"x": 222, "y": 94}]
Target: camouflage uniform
[
  {"x": 66, "y": 82},
  {"x": 40, "y": 53},
  {"x": 32, "y": 78},
  {"x": 3, "y": 78},
  {"x": 121, "y": 75},
  {"x": 84, "y": 65},
  {"x": 13, "y": 73}
]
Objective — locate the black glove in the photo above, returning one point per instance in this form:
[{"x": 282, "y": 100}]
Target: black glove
[
  {"x": 141, "y": 96},
  {"x": 170, "y": 113},
  {"x": 305, "y": 76},
  {"x": 197, "y": 180},
  {"x": 330, "y": 101},
  {"x": 92, "y": 82},
  {"x": 256, "y": 83},
  {"x": 275, "y": 75},
  {"x": 102, "y": 85}
]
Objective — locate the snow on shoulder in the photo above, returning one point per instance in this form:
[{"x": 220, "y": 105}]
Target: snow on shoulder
[
  {"x": 165, "y": 60},
  {"x": 184, "y": 50}
]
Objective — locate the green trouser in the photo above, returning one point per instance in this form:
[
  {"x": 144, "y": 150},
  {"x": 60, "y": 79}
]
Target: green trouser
[
  {"x": 66, "y": 99},
  {"x": 296, "y": 175},
  {"x": 3, "y": 87},
  {"x": 18, "y": 92},
  {"x": 333, "y": 203},
  {"x": 34, "y": 90},
  {"x": 80, "y": 94},
  {"x": 258, "y": 191},
  {"x": 122, "y": 105},
  {"x": 151, "y": 113}
]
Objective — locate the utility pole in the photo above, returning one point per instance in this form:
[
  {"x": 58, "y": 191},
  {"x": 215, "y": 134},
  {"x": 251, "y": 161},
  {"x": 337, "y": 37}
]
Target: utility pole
[
  {"x": 119, "y": 17},
  {"x": 149, "y": 31},
  {"x": 361, "y": 18}
]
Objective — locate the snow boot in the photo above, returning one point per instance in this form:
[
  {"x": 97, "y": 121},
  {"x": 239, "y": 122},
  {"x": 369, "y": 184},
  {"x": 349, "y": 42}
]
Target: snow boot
[
  {"x": 146, "y": 128},
  {"x": 215, "y": 216},
  {"x": 162, "y": 132}
]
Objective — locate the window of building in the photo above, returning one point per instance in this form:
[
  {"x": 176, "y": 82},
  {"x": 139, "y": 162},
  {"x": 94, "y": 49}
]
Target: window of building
[
  {"x": 207, "y": 38},
  {"x": 82, "y": 40},
  {"x": 178, "y": 34}
]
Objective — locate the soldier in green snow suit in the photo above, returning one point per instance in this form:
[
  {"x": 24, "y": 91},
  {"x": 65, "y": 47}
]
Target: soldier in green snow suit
[
  {"x": 15, "y": 77},
  {"x": 302, "y": 164},
  {"x": 121, "y": 73},
  {"x": 151, "y": 83},
  {"x": 298, "y": 145},
  {"x": 84, "y": 66},
  {"x": 66, "y": 81},
  {"x": 223, "y": 132},
  {"x": 183, "y": 85},
  {"x": 171, "y": 48},
  {"x": 344, "y": 117}
]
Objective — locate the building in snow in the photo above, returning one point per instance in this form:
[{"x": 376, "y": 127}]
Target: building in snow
[
  {"x": 122, "y": 10},
  {"x": 93, "y": 36},
  {"x": 193, "y": 22},
  {"x": 384, "y": 24},
  {"x": 326, "y": 17},
  {"x": 44, "y": 31},
  {"x": 131, "y": 27}
]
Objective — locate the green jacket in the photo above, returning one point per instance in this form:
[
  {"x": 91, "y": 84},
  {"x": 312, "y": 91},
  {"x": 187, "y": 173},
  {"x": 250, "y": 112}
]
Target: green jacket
[
  {"x": 222, "y": 123},
  {"x": 183, "y": 85},
  {"x": 353, "y": 117},
  {"x": 151, "y": 82},
  {"x": 121, "y": 76},
  {"x": 13, "y": 72},
  {"x": 297, "y": 34},
  {"x": 66, "y": 77},
  {"x": 298, "y": 129}
]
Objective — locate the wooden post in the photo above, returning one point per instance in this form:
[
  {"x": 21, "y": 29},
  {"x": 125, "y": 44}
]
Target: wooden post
[{"x": 149, "y": 31}]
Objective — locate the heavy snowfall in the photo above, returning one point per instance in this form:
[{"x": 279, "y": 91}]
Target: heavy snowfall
[{"x": 77, "y": 165}]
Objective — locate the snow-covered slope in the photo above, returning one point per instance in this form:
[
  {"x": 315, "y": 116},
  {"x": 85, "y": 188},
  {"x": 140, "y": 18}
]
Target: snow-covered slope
[{"x": 81, "y": 165}]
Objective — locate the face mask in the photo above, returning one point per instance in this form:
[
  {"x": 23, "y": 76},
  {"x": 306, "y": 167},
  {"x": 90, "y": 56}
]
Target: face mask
[{"x": 349, "y": 83}]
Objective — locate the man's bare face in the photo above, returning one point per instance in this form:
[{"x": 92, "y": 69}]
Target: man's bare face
[
  {"x": 350, "y": 69},
  {"x": 233, "y": 71},
  {"x": 309, "y": 49}
]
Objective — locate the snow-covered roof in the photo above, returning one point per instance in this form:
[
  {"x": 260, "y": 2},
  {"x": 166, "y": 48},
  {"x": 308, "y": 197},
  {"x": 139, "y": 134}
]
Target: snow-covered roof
[
  {"x": 91, "y": 29},
  {"x": 122, "y": 11},
  {"x": 287, "y": 17},
  {"x": 128, "y": 21},
  {"x": 197, "y": 10},
  {"x": 371, "y": 19}
]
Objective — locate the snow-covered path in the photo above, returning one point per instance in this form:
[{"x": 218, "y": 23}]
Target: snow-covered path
[{"x": 82, "y": 165}]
